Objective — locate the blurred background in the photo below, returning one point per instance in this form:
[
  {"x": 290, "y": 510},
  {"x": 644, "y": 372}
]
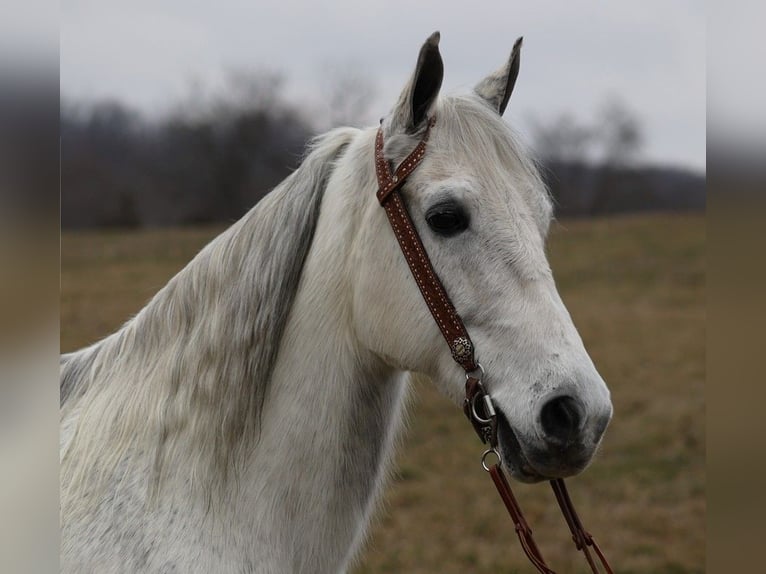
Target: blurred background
[
  {"x": 189, "y": 113},
  {"x": 172, "y": 119}
]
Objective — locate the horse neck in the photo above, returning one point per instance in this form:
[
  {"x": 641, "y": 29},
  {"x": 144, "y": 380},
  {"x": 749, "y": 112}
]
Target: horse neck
[
  {"x": 331, "y": 414},
  {"x": 296, "y": 445}
]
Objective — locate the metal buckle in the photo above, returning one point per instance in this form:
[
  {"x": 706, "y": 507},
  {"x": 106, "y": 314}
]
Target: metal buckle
[
  {"x": 486, "y": 454},
  {"x": 489, "y": 408},
  {"x": 478, "y": 376}
]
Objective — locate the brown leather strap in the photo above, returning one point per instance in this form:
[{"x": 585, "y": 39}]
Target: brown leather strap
[
  {"x": 478, "y": 403},
  {"x": 477, "y": 406},
  {"x": 449, "y": 322},
  {"x": 523, "y": 531},
  {"x": 582, "y": 538},
  {"x": 389, "y": 182}
]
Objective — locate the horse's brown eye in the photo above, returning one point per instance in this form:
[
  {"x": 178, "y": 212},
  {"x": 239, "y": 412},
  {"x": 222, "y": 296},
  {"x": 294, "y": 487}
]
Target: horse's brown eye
[{"x": 447, "y": 219}]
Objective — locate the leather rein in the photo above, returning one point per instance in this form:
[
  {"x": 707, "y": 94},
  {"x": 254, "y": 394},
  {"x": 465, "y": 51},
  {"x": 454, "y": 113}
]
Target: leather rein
[{"x": 477, "y": 405}]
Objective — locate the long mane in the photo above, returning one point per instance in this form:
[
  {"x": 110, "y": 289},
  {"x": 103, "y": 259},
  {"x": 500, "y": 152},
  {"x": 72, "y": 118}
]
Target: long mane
[{"x": 196, "y": 361}]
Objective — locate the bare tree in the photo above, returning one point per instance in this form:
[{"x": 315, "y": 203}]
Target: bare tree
[
  {"x": 619, "y": 186},
  {"x": 563, "y": 139},
  {"x": 565, "y": 145},
  {"x": 211, "y": 159},
  {"x": 253, "y": 90},
  {"x": 243, "y": 90},
  {"x": 348, "y": 93},
  {"x": 619, "y": 132}
]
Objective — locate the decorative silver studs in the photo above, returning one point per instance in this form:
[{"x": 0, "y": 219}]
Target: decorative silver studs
[{"x": 462, "y": 349}]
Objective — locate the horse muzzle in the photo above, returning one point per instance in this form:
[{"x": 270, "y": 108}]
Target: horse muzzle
[{"x": 565, "y": 441}]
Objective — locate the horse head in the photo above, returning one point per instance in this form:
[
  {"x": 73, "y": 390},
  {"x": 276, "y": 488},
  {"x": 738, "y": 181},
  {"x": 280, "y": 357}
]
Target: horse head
[{"x": 483, "y": 214}]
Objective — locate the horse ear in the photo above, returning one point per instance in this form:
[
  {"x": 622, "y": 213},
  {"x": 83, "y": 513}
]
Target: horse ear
[
  {"x": 497, "y": 87},
  {"x": 411, "y": 111}
]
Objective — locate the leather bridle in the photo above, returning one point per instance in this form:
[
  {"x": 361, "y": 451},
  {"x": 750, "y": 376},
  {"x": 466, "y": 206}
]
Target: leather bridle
[{"x": 477, "y": 405}]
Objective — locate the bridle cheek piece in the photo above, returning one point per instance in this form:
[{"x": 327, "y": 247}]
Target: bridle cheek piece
[{"x": 477, "y": 405}]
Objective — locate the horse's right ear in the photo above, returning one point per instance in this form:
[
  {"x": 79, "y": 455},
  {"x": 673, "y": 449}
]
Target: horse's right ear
[
  {"x": 411, "y": 111},
  {"x": 497, "y": 87}
]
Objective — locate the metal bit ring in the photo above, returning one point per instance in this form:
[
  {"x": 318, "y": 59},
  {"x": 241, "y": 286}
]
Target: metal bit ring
[{"x": 486, "y": 454}]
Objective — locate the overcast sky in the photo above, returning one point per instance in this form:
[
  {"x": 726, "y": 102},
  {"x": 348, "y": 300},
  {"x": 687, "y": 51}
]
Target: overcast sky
[{"x": 651, "y": 54}]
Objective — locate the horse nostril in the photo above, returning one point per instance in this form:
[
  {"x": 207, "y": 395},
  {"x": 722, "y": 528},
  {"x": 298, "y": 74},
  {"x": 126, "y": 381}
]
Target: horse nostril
[{"x": 561, "y": 418}]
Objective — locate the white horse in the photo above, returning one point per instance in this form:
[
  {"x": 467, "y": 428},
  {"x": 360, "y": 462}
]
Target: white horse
[{"x": 244, "y": 419}]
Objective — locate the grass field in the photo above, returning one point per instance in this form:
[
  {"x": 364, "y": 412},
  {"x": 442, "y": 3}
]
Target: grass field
[{"x": 635, "y": 287}]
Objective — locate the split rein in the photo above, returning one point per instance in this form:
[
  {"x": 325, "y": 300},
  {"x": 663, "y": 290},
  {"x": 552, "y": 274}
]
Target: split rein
[{"x": 478, "y": 406}]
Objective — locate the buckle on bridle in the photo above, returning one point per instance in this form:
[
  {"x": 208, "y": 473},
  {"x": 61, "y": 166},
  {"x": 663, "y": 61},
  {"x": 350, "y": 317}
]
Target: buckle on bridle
[
  {"x": 489, "y": 409},
  {"x": 480, "y": 409}
]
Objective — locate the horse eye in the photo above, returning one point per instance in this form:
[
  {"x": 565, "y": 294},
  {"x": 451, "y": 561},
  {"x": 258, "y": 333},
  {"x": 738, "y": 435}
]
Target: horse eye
[{"x": 447, "y": 219}]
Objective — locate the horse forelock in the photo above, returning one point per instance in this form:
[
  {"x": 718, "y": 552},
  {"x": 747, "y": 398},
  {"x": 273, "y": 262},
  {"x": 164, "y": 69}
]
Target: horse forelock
[
  {"x": 470, "y": 135},
  {"x": 473, "y": 130},
  {"x": 196, "y": 361}
]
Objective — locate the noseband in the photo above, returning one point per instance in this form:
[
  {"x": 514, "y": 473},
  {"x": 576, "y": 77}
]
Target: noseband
[{"x": 477, "y": 405}]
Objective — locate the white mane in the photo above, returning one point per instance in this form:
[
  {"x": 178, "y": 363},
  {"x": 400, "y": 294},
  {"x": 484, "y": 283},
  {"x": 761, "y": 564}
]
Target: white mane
[
  {"x": 196, "y": 361},
  {"x": 470, "y": 128}
]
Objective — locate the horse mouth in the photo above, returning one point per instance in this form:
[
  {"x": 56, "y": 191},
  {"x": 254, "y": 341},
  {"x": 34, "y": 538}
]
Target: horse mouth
[{"x": 514, "y": 459}]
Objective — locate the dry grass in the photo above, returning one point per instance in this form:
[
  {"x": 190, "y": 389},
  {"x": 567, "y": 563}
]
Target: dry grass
[{"x": 636, "y": 290}]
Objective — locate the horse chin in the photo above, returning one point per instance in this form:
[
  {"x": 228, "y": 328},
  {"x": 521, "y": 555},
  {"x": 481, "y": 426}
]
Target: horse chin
[{"x": 514, "y": 459}]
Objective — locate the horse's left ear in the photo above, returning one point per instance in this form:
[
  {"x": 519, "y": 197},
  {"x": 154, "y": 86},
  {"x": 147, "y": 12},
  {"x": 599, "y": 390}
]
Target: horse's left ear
[
  {"x": 497, "y": 87},
  {"x": 411, "y": 111}
]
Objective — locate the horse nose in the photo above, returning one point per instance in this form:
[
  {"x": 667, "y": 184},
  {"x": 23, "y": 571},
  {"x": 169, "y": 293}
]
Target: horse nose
[{"x": 561, "y": 419}]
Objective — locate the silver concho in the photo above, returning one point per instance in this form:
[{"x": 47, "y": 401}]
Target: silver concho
[{"x": 462, "y": 349}]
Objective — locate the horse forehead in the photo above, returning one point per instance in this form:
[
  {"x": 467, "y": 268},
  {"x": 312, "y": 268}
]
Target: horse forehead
[{"x": 506, "y": 190}]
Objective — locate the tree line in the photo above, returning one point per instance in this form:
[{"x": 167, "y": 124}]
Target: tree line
[
  {"x": 212, "y": 159},
  {"x": 595, "y": 168},
  {"x": 205, "y": 162}
]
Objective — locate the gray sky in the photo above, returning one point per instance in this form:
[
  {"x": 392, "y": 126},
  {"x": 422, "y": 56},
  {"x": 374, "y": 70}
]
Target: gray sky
[{"x": 651, "y": 54}]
